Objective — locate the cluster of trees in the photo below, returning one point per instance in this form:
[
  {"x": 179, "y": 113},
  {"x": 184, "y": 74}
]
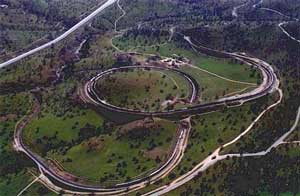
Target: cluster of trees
[
  {"x": 276, "y": 173},
  {"x": 39, "y": 7},
  {"x": 273, "y": 174},
  {"x": 11, "y": 163},
  {"x": 118, "y": 93},
  {"x": 88, "y": 131}
]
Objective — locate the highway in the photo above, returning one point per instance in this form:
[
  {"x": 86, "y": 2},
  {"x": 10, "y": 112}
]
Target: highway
[
  {"x": 173, "y": 160},
  {"x": 216, "y": 157},
  {"x": 61, "y": 37},
  {"x": 93, "y": 97},
  {"x": 270, "y": 84},
  {"x": 19, "y": 145}
]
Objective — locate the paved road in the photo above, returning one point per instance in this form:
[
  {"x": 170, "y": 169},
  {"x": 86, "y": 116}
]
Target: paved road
[
  {"x": 92, "y": 95},
  {"x": 269, "y": 84},
  {"x": 216, "y": 157},
  {"x": 173, "y": 160},
  {"x": 61, "y": 37}
]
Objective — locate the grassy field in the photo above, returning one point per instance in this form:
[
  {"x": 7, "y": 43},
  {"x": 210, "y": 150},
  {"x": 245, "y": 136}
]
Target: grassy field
[
  {"x": 13, "y": 175},
  {"x": 52, "y": 130},
  {"x": 77, "y": 138},
  {"x": 211, "y": 131},
  {"x": 86, "y": 144},
  {"x": 118, "y": 158},
  {"x": 225, "y": 68},
  {"x": 141, "y": 89},
  {"x": 265, "y": 132},
  {"x": 211, "y": 87},
  {"x": 208, "y": 133}
]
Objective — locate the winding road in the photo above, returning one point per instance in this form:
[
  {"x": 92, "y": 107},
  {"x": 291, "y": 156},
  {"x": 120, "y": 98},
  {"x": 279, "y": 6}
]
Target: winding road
[
  {"x": 92, "y": 96},
  {"x": 270, "y": 84},
  {"x": 163, "y": 170}
]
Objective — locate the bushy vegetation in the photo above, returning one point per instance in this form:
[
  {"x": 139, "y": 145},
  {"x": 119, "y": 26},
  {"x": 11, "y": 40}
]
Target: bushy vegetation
[
  {"x": 139, "y": 89},
  {"x": 71, "y": 135},
  {"x": 268, "y": 175},
  {"x": 13, "y": 175}
]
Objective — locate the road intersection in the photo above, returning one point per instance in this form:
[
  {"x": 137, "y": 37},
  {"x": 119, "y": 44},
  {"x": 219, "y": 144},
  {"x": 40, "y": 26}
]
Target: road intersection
[{"x": 269, "y": 85}]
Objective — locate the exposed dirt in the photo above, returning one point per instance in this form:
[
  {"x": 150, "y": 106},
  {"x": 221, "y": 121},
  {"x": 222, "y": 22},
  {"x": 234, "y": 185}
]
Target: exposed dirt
[
  {"x": 137, "y": 125},
  {"x": 95, "y": 143},
  {"x": 8, "y": 117},
  {"x": 156, "y": 153}
]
